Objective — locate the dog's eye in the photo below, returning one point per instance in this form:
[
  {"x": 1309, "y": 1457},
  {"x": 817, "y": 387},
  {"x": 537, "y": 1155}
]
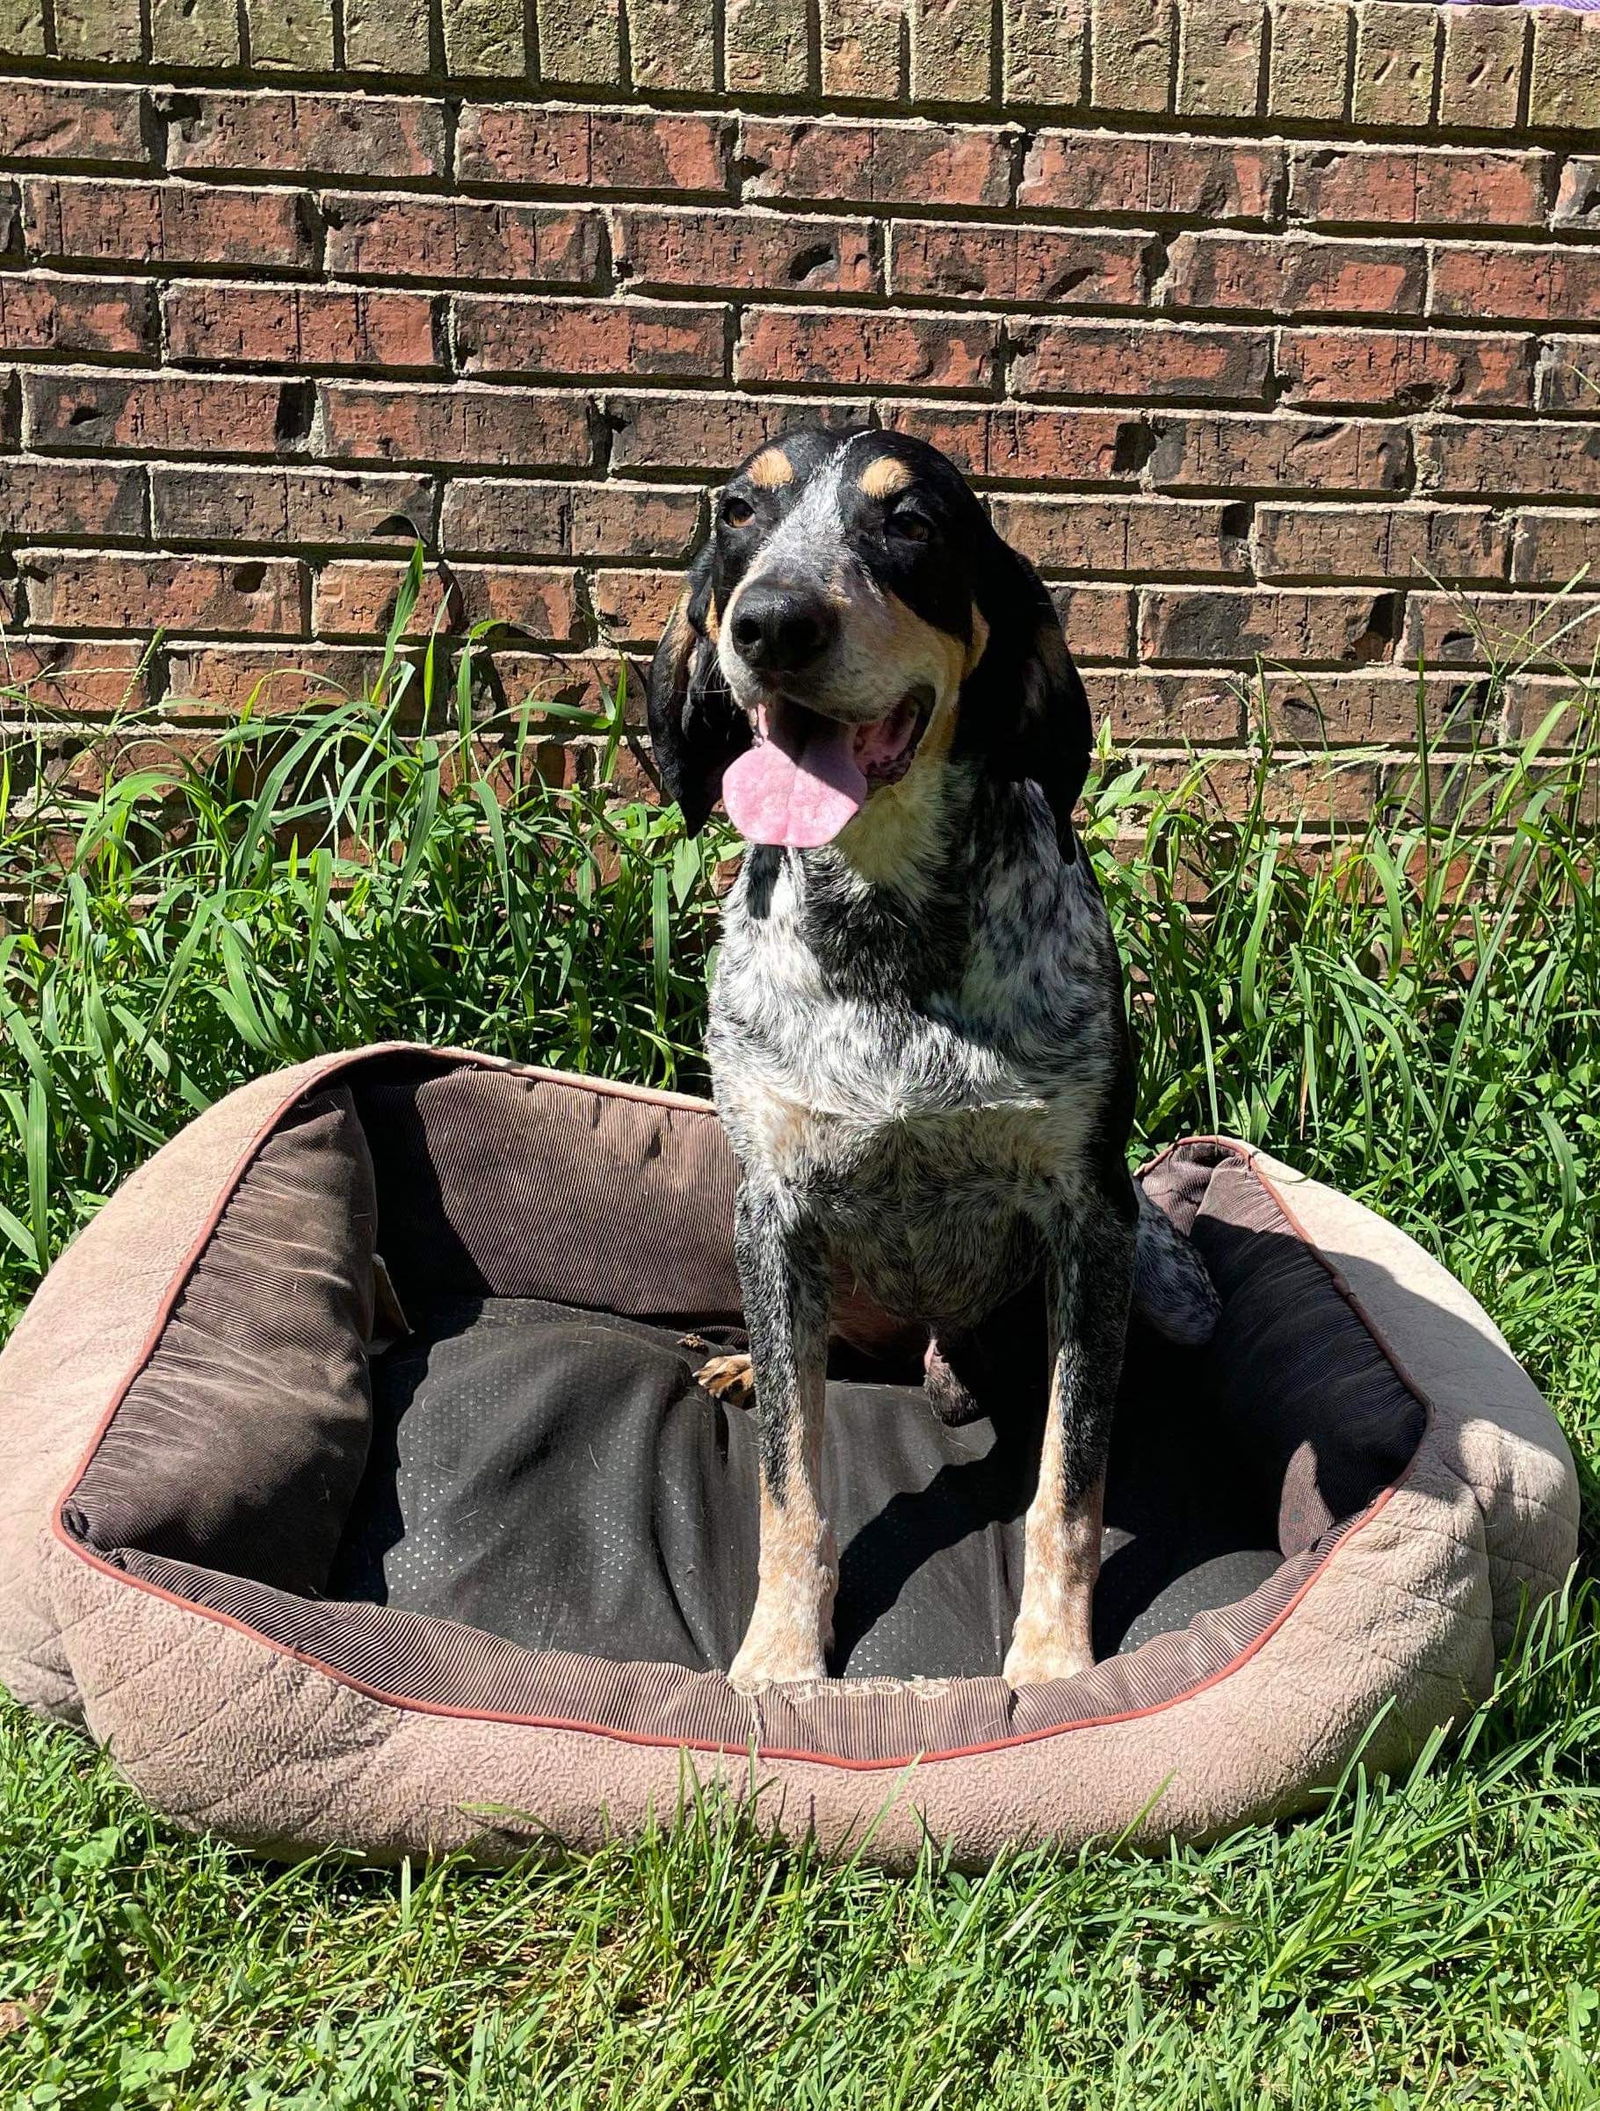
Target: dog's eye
[
  {"x": 737, "y": 512},
  {"x": 910, "y": 527}
]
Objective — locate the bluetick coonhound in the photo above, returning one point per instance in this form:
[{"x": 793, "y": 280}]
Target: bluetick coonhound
[{"x": 918, "y": 1041}]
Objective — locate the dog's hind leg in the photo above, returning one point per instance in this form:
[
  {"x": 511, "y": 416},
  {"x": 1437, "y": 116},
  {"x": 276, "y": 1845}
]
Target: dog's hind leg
[
  {"x": 1091, "y": 1275},
  {"x": 784, "y": 1276}
]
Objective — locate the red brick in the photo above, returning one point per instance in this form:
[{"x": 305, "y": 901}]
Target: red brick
[
  {"x": 1510, "y": 460},
  {"x": 155, "y": 413},
  {"x": 1394, "y": 187},
  {"x": 1328, "y": 793},
  {"x": 357, "y": 599},
  {"x": 507, "y": 335},
  {"x": 1097, "y": 620},
  {"x": 1138, "y": 706},
  {"x": 1569, "y": 375},
  {"x": 79, "y": 316},
  {"x": 221, "y": 681},
  {"x": 113, "y": 590},
  {"x": 389, "y": 136},
  {"x": 1381, "y": 542},
  {"x": 1010, "y": 443},
  {"x": 61, "y": 121},
  {"x": 570, "y": 520},
  {"x": 164, "y": 223},
  {"x": 67, "y": 679},
  {"x": 1211, "y": 453},
  {"x": 223, "y": 323},
  {"x": 1115, "y": 172},
  {"x": 1143, "y": 361},
  {"x": 1530, "y": 630},
  {"x": 50, "y": 499},
  {"x": 1578, "y": 199},
  {"x": 1517, "y": 284},
  {"x": 1019, "y": 264},
  {"x": 593, "y": 150},
  {"x": 1277, "y": 275},
  {"x": 699, "y": 249},
  {"x": 528, "y": 679},
  {"x": 446, "y": 238},
  {"x": 1123, "y": 537},
  {"x": 1553, "y": 548},
  {"x": 1213, "y": 624},
  {"x": 709, "y": 432},
  {"x": 852, "y": 350},
  {"x": 288, "y": 505},
  {"x": 452, "y": 424},
  {"x": 1412, "y": 369},
  {"x": 1327, "y": 709},
  {"x": 632, "y": 607},
  {"x": 876, "y": 164}
]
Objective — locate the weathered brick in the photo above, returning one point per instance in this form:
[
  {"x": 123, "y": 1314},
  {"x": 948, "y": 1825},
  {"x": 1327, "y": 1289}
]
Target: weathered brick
[
  {"x": 1578, "y": 200},
  {"x": 764, "y": 47},
  {"x": 1011, "y": 443},
  {"x": 875, "y": 164},
  {"x": 1553, "y": 705},
  {"x": 862, "y": 44},
  {"x": 78, "y": 316},
  {"x": 1564, "y": 80},
  {"x": 1046, "y": 52},
  {"x": 708, "y": 432},
  {"x": 51, "y": 499},
  {"x": 1413, "y": 369},
  {"x": 293, "y": 33},
  {"x": 1397, "y": 187},
  {"x": 73, "y": 679},
  {"x": 1212, "y": 624},
  {"x": 1569, "y": 375},
  {"x": 22, "y": 28},
  {"x": 451, "y": 238},
  {"x": 63, "y": 121},
  {"x": 490, "y": 427},
  {"x": 117, "y": 590},
  {"x": 1205, "y": 452},
  {"x": 288, "y": 506},
  {"x": 99, "y": 29},
  {"x": 580, "y": 42},
  {"x": 81, "y": 217},
  {"x": 1309, "y": 69},
  {"x": 952, "y": 53},
  {"x": 699, "y": 249},
  {"x": 957, "y": 260},
  {"x": 632, "y": 607},
  {"x": 489, "y": 516},
  {"x": 1554, "y": 547},
  {"x": 509, "y": 335},
  {"x": 1482, "y": 458},
  {"x": 1098, "y": 620},
  {"x": 1143, "y": 361},
  {"x": 197, "y": 32},
  {"x": 1480, "y": 73},
  {"x": 1395, "y": 63},
  {"x": 1131, "y": 54},
  {"x": 1124, "y": 537},
  {"x": 221, "y": 681},
  {"x": 1134, "y": 705},
  {"x": 593, "y": 150},
  {"x": 484, "y": 39},
  {"x": 356, "y": 598},
  {"x": 1327, "y": 796},
  {"x": 1220, "y": 45},
  {"x": 391, "y": 136},
  {"x": 220, "y": 323},
  {"x": 843, "y": 349},
  {"x": 672, "y": 44},
  {"x": 1118, "y": 172},
  {"x": 1397, "y": 543},
  {"x": 1475, "y": 629},
  {"x": 1516, "y": 282},
  {"x": 1268, "y": 274},
  {"x": 156, "y": 413}
]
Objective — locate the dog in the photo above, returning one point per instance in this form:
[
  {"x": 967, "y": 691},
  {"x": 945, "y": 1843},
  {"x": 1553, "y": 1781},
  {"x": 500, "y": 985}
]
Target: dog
[{"x": 918, "y": 1042}]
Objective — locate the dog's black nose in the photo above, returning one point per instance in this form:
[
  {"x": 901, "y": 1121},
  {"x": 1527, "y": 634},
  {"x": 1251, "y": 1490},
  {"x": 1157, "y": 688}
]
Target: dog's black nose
[{"x": 781, "y": 629}]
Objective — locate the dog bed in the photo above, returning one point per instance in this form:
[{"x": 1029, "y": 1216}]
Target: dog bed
[{"x": 356, "y": 1490}]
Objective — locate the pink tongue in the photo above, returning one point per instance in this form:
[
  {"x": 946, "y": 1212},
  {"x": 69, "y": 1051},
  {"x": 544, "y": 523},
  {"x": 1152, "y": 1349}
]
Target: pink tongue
[{"x": 798, "y": 799}]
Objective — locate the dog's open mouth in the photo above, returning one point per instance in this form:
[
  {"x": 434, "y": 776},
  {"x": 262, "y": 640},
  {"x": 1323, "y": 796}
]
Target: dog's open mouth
[{"x": 807, "y": 775}]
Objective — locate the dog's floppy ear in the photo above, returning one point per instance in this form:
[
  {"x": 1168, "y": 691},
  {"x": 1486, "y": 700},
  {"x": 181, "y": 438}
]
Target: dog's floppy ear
[
  {"x": 1035, "y": 700},
  {"x": 696, "y": 729}
]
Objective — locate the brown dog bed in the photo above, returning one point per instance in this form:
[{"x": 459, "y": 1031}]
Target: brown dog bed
[{"x": 447, "y": 1549}]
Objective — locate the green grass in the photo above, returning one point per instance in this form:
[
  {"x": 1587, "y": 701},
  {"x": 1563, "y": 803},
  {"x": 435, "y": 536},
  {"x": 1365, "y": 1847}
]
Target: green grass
[{"x": 1415, "y": 1016}]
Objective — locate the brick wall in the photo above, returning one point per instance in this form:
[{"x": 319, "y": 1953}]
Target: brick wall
[{"x": 1254, "y": 323}]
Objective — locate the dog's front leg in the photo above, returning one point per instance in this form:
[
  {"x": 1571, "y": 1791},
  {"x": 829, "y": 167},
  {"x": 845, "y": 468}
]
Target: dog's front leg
[
  {"x": 784, "y": 1276},
  {"x": 1091, "y": 1277}
]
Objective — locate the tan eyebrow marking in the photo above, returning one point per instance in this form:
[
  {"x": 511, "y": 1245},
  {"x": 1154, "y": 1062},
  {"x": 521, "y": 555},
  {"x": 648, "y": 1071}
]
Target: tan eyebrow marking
[
  {"x": 884, "y": 475},
  {"x": 771, "y": 469}
]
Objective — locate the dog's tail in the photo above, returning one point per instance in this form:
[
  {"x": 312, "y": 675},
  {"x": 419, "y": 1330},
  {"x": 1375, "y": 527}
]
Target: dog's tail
[{"x": 1172, "y": 1289}]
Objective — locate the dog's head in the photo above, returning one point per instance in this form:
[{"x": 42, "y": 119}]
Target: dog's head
[{"x": 853, "y": 626}]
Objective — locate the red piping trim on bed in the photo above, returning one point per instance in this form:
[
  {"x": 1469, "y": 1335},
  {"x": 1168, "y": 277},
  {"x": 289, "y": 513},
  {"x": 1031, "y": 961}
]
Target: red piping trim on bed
[{"x": 329, "y": 1067}]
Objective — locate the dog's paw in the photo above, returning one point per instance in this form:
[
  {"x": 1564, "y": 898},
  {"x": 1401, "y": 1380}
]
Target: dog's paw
[
  {"x": 728, "y": 1378},
  {"x": 1036, "y": 1661},
  {"x": 774, "y": 1661}
]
